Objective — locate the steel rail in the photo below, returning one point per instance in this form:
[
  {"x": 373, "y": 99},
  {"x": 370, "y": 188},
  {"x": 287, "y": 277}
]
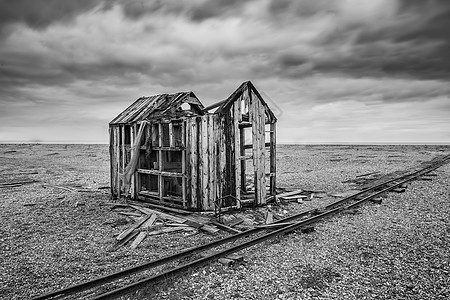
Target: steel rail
[
  {"x": 83, "y": 286},
  {"x": 197, "y": 263}
]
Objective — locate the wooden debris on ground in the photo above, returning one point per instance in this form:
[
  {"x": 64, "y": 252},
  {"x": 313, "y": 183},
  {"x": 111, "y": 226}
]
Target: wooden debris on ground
[
  {"x": 16, "y": 183},
  {"x": 299, "y": 196},
  {"x": 155, "y": 222}
]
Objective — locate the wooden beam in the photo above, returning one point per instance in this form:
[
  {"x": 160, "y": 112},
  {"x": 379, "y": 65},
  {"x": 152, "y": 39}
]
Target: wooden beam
[{"x": 273, "y": 158}]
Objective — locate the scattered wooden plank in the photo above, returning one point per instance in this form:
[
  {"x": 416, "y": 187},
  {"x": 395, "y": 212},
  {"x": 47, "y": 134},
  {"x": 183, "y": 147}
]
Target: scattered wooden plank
[
  {"x": 293, "y": 198},
  {"x": 150, "y": 221},
  {"x": 140, "y": 237},
  {"x": 209, "y": 229},
  {"x": 169, "y": 209},
  {"x": 399, "y": 190},
  {"x": 162, "y": 215},
  {"x": 125, "y": 240},
  {"x": 10, "y": 185},
  {"x": 29, "y": 204},
  {"x": 296, "y": 192},
  {"x": 176, "y": 225},
  {"x": 125, "y": 233},
  {"x": 16, "y": 183},
  {"x": 131, "y": 214},
  {"x": 166, "y": 230}
]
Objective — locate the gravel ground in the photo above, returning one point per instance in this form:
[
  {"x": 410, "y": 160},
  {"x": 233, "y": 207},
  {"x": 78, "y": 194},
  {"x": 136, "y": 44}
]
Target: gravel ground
[{"x": 397, "y": 250}]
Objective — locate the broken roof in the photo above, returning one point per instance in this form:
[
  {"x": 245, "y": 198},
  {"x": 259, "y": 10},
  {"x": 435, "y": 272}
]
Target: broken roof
[{"x": 158, "y": 106}]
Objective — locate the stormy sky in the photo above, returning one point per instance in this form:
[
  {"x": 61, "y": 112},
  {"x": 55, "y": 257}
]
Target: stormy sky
[{"x": 333, "y": 70}]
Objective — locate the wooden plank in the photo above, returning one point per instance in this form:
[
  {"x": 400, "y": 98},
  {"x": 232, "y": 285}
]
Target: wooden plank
[
  {"x": 163, "y": 173},
  {"x": 255, "y": 145},
  {"x": 171, "y": 139},
  {"x": 212, "y": 158},
  {"x": 130, "y": 214},
  {"x": 125, "y": 240},
  {"x": 160, "y": 165},
  {"x": 243, "y": 162},
  {"x": 183, "y": 167},
  {"x": 194, "y": 141},
  {"x": 169, "y": 209},
  {"x": 118, "y": 161},
  {"x": 150, "y": 221},
  {"x": 296, "y": 192},
  {"x": 140, "y": 237},
  {"x": 262, "y": 150},
  {"x": 161, "y": 215},
  {"x": 204, "y": 163},
  {"x": 237, "y": 154},
  {"x": 126, "y": 232},
  {"x": 166, "y": 230},
  {"x": 111, "y": 159},
  {"x": 132, "y": 151},
  {"x": 273, "y": 158}
]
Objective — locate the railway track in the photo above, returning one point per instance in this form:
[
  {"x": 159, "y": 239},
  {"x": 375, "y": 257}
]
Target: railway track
[{"x": 248, "y": 238}]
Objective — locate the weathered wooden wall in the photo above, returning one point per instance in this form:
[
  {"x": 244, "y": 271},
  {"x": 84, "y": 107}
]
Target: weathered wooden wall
[{"x": 205, "y": 163}]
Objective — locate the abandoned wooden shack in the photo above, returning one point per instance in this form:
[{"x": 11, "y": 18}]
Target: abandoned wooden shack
[{"x": 170, "y": 150}]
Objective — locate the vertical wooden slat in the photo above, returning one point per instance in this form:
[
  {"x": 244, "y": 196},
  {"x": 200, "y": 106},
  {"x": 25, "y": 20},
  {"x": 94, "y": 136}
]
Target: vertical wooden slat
[
  {"x": 243, "y": 161},
  {"x": 113, "y": 157},
  {"x": 221, "y": 160},
  {"x": 273, "y": 159},
  {"x": 194, "y": 141},
  {"x": 255, "y": 144},
  {"x": 212, "y": 158},
  {"x": 237, "y": 150},
  {"x": 160, "y": 164},
  {"x": 171, "y": 139},
  {"x": 123, "y": 153},
  {"x": 185, "y": 138},
  {"x": 183, "y": 167},
  {"x": 262, "y": 152},
  {"x": 132, "y": 152},
  {"x": 204, "y": 162}
]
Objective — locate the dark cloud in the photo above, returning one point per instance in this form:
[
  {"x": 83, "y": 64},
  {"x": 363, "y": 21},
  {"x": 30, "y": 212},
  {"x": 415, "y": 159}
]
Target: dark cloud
[
  {"x": 39, "y": 14},
  {"x": 196, "y": 11}
]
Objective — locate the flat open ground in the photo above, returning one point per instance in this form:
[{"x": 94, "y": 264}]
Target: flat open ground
[{"x": 59, "y": 230}]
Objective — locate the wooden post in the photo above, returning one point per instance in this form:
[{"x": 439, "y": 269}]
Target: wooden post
[
  {"x": 193, "y": 159},
  {"x": 243, "y": 161},
  {"x": 122, "y": 133},
  {"x": 204, "y": 162},
  {"x": 160, "y": 164},
  {"x": 273, "y": 158},
  {"x": 132, "y": 152},
  {"x": 171, "y": 138},
  {"x": 237, "y": 150},
  {"x": 183, "y": 164},
  {"x": 211, "y": 157}
]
